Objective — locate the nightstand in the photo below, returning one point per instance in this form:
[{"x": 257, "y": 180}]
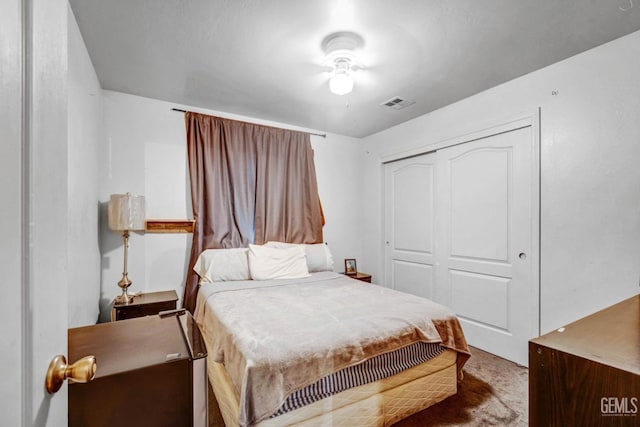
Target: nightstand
[
  {"x": 361, "y": 276},
  {"x": 146, "y": 304}
]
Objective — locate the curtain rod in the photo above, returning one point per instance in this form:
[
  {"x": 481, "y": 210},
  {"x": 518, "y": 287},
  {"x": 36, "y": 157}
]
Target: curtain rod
[{"x": 322, "y": 135}]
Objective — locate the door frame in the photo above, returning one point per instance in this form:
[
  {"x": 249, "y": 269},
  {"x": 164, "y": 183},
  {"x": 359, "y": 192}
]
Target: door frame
[
  {"x": 33, "y": 119},
  {"x": 476, "y": 132},
  {"x": 13, "y": 194}
]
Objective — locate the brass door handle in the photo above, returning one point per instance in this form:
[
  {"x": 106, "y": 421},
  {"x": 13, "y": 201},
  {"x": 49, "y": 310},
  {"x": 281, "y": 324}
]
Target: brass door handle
[{"x": 84, "y": 370}]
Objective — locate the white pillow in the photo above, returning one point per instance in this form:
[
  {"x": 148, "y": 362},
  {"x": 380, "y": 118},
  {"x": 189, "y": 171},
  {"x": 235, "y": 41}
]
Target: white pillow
[
  {"x": 319, "y": 256},
  {"x": 221, "y": 265},
  {"x": 268, "y": 262}
]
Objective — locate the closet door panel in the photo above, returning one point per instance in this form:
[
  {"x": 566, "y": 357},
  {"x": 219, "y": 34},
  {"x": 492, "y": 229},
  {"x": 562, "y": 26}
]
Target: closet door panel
[
  {"x": 409, "y": 224},
  {"x": 480, "y": 178},
  {"x": 413, "y": 278},
  {"x": 485, "y": 217},
  {"x": 481, "y": 297}
]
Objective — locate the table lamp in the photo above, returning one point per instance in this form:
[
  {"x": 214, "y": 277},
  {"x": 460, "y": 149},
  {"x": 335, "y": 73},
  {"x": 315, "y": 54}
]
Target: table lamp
[{"x": 126, "y": 213}]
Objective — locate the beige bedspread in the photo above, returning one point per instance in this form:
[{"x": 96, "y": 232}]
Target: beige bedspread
[{"x": 275, "y": 337}]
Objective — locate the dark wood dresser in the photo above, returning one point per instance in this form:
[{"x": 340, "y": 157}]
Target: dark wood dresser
[
  {"x": 151, "y": 371},
  {"x": 588, "y": 373}
]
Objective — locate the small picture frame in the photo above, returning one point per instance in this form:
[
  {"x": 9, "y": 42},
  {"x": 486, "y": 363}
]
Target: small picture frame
[{"x": 350, "y": 267}]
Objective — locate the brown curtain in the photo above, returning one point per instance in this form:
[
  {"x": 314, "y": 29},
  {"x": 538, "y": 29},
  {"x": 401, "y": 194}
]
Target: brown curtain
[{"x": 249, "y": 184}]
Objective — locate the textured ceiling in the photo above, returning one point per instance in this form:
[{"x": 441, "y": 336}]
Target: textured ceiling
[{"x": 263, "y": 59}]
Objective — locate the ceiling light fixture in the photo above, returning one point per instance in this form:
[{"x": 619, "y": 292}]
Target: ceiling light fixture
[
  {"x": 341, "y": 83},
  {"x": 339, "y": 48}
]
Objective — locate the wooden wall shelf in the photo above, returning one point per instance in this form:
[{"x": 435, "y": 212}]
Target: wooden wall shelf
[{"x": 170, "y": 225}]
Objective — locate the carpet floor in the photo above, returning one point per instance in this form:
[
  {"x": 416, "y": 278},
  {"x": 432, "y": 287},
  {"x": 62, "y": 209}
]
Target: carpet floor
[{"x": 493, "y": 393}]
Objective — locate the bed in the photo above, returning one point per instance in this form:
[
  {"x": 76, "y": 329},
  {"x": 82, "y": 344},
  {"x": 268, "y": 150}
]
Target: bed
[{"x": 322, "y": 349}]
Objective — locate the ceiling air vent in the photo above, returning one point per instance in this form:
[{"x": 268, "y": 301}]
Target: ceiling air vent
[{"x": 397, "y": 103}]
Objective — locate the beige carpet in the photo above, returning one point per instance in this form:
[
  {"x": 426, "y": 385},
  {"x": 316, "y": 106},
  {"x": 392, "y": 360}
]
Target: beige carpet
[{"x": 493, "y": 393}]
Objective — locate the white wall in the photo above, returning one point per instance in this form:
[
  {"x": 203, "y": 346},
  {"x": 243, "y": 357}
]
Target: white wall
[
  {"x": 144, "y": 152},
  {"x": 84, "y": 141},
  {"x": 590, "y": 178}
]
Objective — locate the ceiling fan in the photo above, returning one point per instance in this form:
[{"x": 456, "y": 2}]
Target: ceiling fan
[{"x": 340, "y": 50}]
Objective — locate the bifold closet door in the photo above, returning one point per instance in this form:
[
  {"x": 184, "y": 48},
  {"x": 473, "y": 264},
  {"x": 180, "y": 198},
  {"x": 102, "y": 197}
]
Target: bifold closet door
[
  {"x": 410, "y": 220},
  {"x": 485, "y": 241}
]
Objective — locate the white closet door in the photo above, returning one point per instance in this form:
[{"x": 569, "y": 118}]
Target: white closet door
[
  {"x": 485, "y": 241},
  {"x": 409, "y": 216}
]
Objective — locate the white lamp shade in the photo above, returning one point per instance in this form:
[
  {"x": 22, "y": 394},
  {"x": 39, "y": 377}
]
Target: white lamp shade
[
  {"x": 341, "y": 83},
  {"x": 126, "y": 212}
]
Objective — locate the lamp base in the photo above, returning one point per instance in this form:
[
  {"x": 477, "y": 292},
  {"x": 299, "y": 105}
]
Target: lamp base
[{"x": 124, "y": 299}]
